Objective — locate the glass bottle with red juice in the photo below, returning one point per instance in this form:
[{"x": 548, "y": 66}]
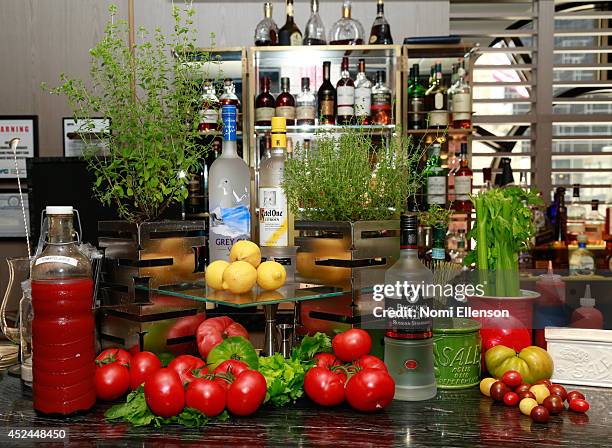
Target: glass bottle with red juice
[{"x": 63, "y": 347}]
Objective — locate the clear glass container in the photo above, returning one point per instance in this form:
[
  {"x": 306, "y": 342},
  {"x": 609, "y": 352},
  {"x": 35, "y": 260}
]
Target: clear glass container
[
  {"x": 581, "y": 262},
  {"x": 26, "y": 315},
  {"x": 266, "y": 31},
  {"x": 363, "y": 95},
  {"x": 594, "y": 223},
  {"x": 576, "y": 215},
  {"x": 314, "y": 33},
  {"x": 306, "y": 105},
  {"x": 346, "y": 31}
]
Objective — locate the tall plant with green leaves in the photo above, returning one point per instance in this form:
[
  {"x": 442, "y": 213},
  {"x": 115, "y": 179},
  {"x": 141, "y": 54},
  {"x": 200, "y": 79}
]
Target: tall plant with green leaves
[
  {"x": 350, "y": 178},
  {"x": 151, "y": 96}
]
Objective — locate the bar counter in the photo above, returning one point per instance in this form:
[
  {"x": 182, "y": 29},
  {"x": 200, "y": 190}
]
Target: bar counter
[{"x": 454, "y": 418}]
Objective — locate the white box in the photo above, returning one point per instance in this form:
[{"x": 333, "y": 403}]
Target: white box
[{"x": 581, "y": 356}]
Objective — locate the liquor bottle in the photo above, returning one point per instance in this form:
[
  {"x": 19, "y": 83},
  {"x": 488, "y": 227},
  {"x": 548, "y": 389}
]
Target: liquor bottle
[
  {"x": 462, "y": 101},
  {"x": 487, "y": 176},
  {"x": 327, "y": 97},
  {"x": 594, "y": 223},
  {"x": 408, "y": 341},
  {"x": 209, "y": 110},
  {"x": 274, "y": 220},
  {"x": 290, "y": 34},
  {"x": 264, "y": 104},
  {"x": 285, "y": 103},
  {"x": 458, "y": 254},
  {"x": 436, "y": 101},
  {"x": 314, "y": 33},
  {"x": 345, "y": 91},
  {"x": 560, "y": 233},
  {"x": 381, "y": 101},
  {"x": 266, "y": 147},
  {"x": 416, "y": 95},
  {"x": 229, "y": 190},
  {"x": 438, "y": 252},
  {"x": 576, "y": 215},
  {"x": 505, "y": 177},
  {"x": 381, "y": 31},
  {"x": 306, "y": 105},
  {"x": 346, "y": 31},
  {"x": 463, "y": 181},
  {"x": 363, "y": 95},
  {"x": 229, "y": 98},
  {"x": 581, "y": 262},
  {"x": 266, "y": 31},
  {"x": 436, "y": 177}
]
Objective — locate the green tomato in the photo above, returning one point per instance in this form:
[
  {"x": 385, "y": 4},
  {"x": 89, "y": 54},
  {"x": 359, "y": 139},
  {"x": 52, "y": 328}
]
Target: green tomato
[
  {"x": 235, "y": 347},
  {"x": 533, "y": 363}
]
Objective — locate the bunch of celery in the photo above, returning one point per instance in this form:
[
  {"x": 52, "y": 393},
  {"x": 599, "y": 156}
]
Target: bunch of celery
[{"x": 504, "y": 227}]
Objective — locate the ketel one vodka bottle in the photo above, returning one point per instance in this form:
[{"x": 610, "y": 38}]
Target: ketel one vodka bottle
[
  {"x": 229, "y": 193},
  {"x": 274, "y": 220},
  {"x": 408, "y": 338}
]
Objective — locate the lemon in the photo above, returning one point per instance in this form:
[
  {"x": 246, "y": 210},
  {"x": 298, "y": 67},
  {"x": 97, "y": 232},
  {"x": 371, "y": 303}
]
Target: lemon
[
  {"x": 271, "y": 275},
  {"x": 214, "y": 274},
  {"x": 239, "y": 277},
  {"x": 246, "y": 251}
]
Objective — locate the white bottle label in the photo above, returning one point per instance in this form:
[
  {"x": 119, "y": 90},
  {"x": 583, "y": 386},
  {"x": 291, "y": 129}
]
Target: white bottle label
[
  {"x": 363, "y": 101},
  {"x": 346, "y": 100},
  {"x": 209, "y": 116},
  {"x": 463, "y": 187},
  {"x": 273, "y": 217},
  {"x": 436, "y": 190},
  {"x": 305, "y": 113},
  {"x": 438, "y": 118},
  {"x": 438, "y": 101},
  {"x": 264, "y": 114},
  {"x": 462, "y": 102},
  {"x": 295, "y": 39},
  {"x": 57, "y": 259},
  {"x": 286, "y": 111}
]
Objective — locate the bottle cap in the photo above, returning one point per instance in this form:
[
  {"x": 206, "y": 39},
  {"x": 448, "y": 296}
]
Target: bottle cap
[
  {"x": 582, "y": 238},
  {"x": 305, "y": 83},
  {"x": 279, "y": 124},
  {"x": 550, "y": 276},
  {"x": 59, "y": 210},
  {"x": 587, "y": 300}
]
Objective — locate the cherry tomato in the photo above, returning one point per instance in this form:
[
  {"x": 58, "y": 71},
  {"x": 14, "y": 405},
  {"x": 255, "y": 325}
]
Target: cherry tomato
[
  {"x": 352, "y": 344},
  {"x": 522, "y": 388},
  {"x": 186, "y": 366},
  {"x": 326, "y": 360},
  {"x": 370, "y": 390},
  {"x": 554, "y": 404},
  {"x": 572, "y": 394},
  {"x": 111, "y": 381},
  {"x": 143, "y": 364},
  {"x": 512, "y": 378},
  {"x": 526, "y": 394},
  {"x": 111, "y": 355},
  {"x": 539, "y": 414},
  {"x": 206, "y": 396},
  {"x": 498, "y": 390},
  {"x": 233, "y": 366},
  {"x": 164, "y": 393},
  {"x": 324, "y": 387},
  {"x": 370, "y": 362},
  {"x": 557, "y": 389},
  {"x": 246, "y": 393},
  {"x": 579, "y": 405},
  {"x": 511, "y": 399},
  {"x": 547, "y": 383}
]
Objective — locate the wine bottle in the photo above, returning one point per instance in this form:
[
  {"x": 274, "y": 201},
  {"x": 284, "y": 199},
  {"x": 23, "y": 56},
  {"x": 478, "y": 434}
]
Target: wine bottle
[
  {"x": 327, "y": 97},
  {"x": 290, "y": 34}
]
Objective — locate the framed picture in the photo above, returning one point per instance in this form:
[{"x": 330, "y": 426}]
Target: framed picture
[
  {"x": 24, "y": 127},
  {"x": 74, "y": 135},
  {"x": 11, "y": 215}
]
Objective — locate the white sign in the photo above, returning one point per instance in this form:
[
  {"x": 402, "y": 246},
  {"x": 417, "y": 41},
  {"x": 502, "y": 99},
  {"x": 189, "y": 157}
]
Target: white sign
[
  {"x": 24, "y": 128},
  {"x": 76, "y": 131},
  {"x": 11, "y": 215}
]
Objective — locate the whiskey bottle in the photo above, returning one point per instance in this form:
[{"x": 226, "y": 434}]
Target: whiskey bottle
[
  {"x": 306, "y": 105},
  {"x": 327, "y": 97},
  {"x": 436, "y": 101},
  {"x": 381, "y": 101},
  {"x": 363, "y": 95},
  {"x": 463, "y": 180},
  {"x": 209, "y": 110},
  {"x": 290, "y": 34},
  {"x": 285, "y": 103},
  {"x": 229, "y": 98},
  {"x": 345, "y": 91},
  {"x": 314, "y": 33},
  {"x": 264, "y": 104},
  {"x": 436, "y": 177},
  {"x": 266, "y": 31},
  {"x": 416, "y": 95},
  {"x": 576, "y": 215},
  {"x": 346, "y": 31},
  {"x": 462, "y": 101},
  {"x": 381, "y": 31}
]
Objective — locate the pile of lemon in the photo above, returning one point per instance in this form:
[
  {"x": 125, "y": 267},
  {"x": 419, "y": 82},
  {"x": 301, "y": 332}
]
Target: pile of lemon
[{"x": 244, "y": 270}]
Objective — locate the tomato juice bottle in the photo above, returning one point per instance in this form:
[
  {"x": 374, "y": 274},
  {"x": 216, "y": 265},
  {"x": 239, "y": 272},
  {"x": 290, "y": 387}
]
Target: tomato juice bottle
[{"x": 63, "y": 345}]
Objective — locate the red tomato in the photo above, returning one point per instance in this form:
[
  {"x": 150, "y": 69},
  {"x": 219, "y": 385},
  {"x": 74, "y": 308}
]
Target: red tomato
[
  {"x": 324, "y": 387},
  {"x": 522, "y": 388},
  {"x": 370, "y": 362},
  {"x": 225, "y": 384},
  {"x": 557, "y": 389},
  {"x": 213, "y": 331},
  {"x": 512, "y": 378},
  {"x": 547, "y": 383},
  {"x": 572, "y": 394},
  {"x": 511, "y": 399},
  {"x": 326, "y": 360},
  {"x": 352, "y": 344},
  {"x": 206, "y": 396},
  {"x": 164, "y": 393},
  {"x": 246, "y": 393},
  {"x": 233, "y": 366},
  {"x": 554, "y": 404},
  {"x": 186, "y": 365},
  {"x": 579, "y": 405},
  {"x": 540, "y": 414},
  {"x": 111, "y": 355},
  {"x": 183, "y": 327},
  {"x": 143, "y": 364},
  {"x": 111, "y": 381},
  {"x": 370, "y": 390}
]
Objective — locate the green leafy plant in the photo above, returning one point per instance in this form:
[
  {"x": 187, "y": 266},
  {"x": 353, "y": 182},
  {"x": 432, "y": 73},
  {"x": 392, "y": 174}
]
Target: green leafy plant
[
  {"x": 435, "y": 216},
  {"x": 504, "y": 227},
  {"x": 150, "y": 94},
  {"x": 350, "y": 178}
]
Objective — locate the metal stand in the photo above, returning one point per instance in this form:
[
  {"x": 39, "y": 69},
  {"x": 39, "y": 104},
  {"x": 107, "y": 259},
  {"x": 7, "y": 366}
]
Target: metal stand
[
  {"x": 270, "y": 334},
  {"x": 286, "y": 335}
]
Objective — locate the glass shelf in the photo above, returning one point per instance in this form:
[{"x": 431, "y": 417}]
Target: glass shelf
[
  {"x": 331, "y": 128},
  {"x": 449, "y": 131},
  {"x": 291, "y": 292}
]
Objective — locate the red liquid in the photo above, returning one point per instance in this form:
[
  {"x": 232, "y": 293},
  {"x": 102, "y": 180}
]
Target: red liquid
[{"x": 63, "y": 338}]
